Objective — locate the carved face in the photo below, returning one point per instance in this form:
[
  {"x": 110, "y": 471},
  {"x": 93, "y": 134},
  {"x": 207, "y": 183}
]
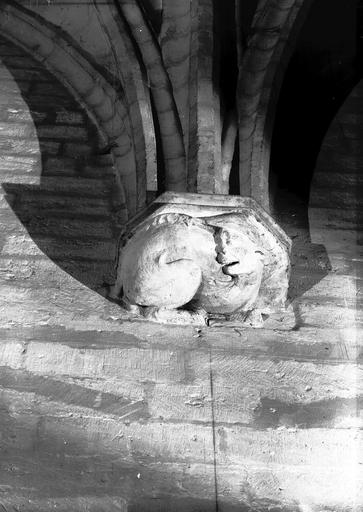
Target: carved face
[
  {"x": 236, "y": 282},
  {"x": 235, "y": 252}
]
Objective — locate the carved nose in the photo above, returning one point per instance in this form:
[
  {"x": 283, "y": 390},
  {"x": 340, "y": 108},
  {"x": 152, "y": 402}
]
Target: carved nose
[{"x": 220, "y": 257}]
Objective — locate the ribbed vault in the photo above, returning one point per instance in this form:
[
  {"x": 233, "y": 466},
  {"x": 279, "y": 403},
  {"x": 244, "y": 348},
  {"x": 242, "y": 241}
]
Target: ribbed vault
[
  {"x": 273, "y": 35},
  {"x": 101, "y": 98}
]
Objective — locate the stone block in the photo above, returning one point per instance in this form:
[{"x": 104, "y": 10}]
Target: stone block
[
  {"x": 62, "y": 132},
  {"x": 18, "y": 147},
  {"x": 25, "y": 115},
  {"x": 19, "y": 164},
  {"x": 77, "y": 150},
  {"x": 49, "y": 147},
  {"x": 18, "y": 130},
  {"x": 69, "y": 117}
]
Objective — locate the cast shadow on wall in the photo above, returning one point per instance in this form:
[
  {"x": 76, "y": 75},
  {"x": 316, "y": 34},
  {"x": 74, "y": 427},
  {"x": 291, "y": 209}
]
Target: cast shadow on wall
[
  {"x": 310, "y": 262},
  {"x": 56, "y": 178},
  {"x": 69, "y": 214}
]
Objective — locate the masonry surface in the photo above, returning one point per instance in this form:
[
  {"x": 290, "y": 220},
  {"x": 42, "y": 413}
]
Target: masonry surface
[{"x": 101, "y": 413}]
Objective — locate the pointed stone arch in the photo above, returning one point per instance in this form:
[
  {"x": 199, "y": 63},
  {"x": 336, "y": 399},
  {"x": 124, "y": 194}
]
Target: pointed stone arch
[
  {"x": 61, "y": 56},
  {"x": 274, "y": 32}
]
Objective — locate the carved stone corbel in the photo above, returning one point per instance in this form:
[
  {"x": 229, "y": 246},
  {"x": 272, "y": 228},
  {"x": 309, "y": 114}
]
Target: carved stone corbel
[{"x": 198, "y": 257}]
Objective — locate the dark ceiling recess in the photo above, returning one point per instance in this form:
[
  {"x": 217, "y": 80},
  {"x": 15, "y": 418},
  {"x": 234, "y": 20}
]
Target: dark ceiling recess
[
  {"x": 323, "y": 69},
  {"x": 227, "y": 52},
  {"x": 360, "y": 34},
  {"x": 153, "y": 10},
  {"x": 230, "y": 16}
]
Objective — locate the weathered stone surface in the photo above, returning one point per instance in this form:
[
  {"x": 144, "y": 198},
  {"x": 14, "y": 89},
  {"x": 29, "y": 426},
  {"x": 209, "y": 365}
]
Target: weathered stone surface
[
  {"x": 223, "y": 260},
  {"x": 64, "y": 116},
  {"x": 62, "y": 132}
]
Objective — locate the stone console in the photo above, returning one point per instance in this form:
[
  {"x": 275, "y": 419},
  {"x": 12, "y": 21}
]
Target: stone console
[{"x": 196, "y": 258}]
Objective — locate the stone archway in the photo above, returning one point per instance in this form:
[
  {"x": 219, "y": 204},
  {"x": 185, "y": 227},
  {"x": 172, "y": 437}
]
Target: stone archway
[
  {"x": 335, "y": 198},
  {"x": 47, "y": 44},
  {"x": 273, "y": 34}
]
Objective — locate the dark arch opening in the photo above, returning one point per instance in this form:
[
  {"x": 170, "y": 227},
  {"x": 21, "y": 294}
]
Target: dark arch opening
[{"x": 323, "y": 69}]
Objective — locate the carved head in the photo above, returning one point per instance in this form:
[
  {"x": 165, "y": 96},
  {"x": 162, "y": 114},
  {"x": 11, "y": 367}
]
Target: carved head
[
  {"x": 219, "y": 262},
  {"x": 236, "y": 253},
  {"x": 163, "y": 263}
]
